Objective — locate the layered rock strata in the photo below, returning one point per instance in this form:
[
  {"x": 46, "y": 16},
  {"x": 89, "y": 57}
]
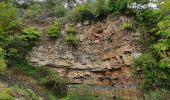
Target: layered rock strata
[{"x": 102, "y": 58}]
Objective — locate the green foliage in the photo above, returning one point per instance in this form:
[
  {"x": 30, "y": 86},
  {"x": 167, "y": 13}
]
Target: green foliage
[
  {"x": 26, "y": 94},
  {"x": 58, "y": 11},
  {"x": 153, "y": 75},
  {"x": 2, "y": 65},
  {"x": 30, "y": 33},
  {"x": 127, "y": 25},
  {"x": 5, "y": 92},
  {"x": 155, "y": 95},
  {"x": 53, "y": 82},
  {"x": 33, "y": 11},
  {"x": 154, "y": 24},
  {"x": 149, "y": 68},
  {"x": 83, "y": 92},
  {"x": 22, "y": 65},
  {"x": 71, "y": 29},
  {"x": 51, "y": 95},
  {"x": 55, "y": 8},
  {"x": 24, "y": 41},
  {"x": 85, "y": 12},
  {"x": 163, "y": 44},
  {"x": 73, "y": 15},
  {"x": 54, "y": 30},
  {"x": 108, "y": 5},
  {"x": 71, "y": 38},
  {"x": 2, "y": 61},
  {"x": 141, "y": 2},
  {"x": 9, "y": 18},
  {"x": 121, "y": 5},
  {"x": 18, "y": 46},
  {"x": 80, "y": 13},
  {"x": 99, "y": 8}
]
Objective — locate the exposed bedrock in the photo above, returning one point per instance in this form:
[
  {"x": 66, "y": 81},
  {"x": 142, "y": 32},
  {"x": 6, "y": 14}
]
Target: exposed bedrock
[{"x": 102, "y": 58}]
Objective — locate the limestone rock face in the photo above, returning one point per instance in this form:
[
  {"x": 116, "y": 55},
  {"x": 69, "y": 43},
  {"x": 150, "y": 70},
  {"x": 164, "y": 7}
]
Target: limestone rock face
[{"x": 102, "y": 58}]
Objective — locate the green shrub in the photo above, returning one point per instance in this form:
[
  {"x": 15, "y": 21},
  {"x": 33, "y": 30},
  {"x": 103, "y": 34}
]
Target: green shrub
[
  {"x": 53, "y": 82},
  {"x": 71, "y": 29},
  {"x": 5, "y": 93},
  {"x": 31, "y": 33},
  {"x": 163, "y": 44},
  {"x": 73, "y": 15},
  {"x": 2, "y": 65},
  {"x": 99, "y": 8},
  {"x": 33, "y": 11},
  {"x": 155, "y": 95},
  {"x": 127, "y": 25},
  {"x": 54, "y": 30},
  {"x": 9, "y": 18},
  {"x": 120, "y": 5},
  {"x": 153, "y": 76},
  {"x": 2, "y": 61},
  {"x": 26, "y": 93},
  {"x": 109, "y": 5},
  {"x": 18, "y": 46},
  {"x": 80, "y": 13},
  {"x": 55, "y": 8},
  {"x": 83, "y": 92},
  {"x": 85, "y": 12},
  {"x": 51, "y": 95},
  {"x": 71, "y": 38},
  {"x": 58, "y": 11}
]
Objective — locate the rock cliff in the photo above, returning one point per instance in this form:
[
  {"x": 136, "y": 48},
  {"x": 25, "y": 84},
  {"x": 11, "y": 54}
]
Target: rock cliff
[{"x": 102, "y": 58}]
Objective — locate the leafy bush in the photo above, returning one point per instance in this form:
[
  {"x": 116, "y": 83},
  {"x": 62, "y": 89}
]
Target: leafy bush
[
  {"x": 18, "y": 46},
  {"x": 163, "y": 44},
  {"x": 9, "y": 18},
  {"x": 83, "y": 92},
  {"x": 73, "y": 15},
  {"x": 51, "y": 95},
  {"x": 153, "y": 76},
  {"x": 80, "y": 13},
  {"x": 109, "y": 5},
  {"x": 127, "y": 25},
  {"x": 26, "y": 93},
  {"x": 155, "y": 95},
  {"x": 54, "y": 30},
  {"x": 149, "y": 70},
  {"x": 156, "y": 71},
  {"x": 33, "y": 11},
  {"x": 71, "y": 29},
  {"x": 5, "y": 92},
  {"x": 99, "y": 8},
  {"x": 55, "y": 8},
  {"x": 2, "y": 61},
  {"x": 59, "y": 11},
  {"x": 53, "y": 82},
  {"x": 71, "y": 38},
  {"x": 120, "y": 5},
  {"x": 85, "y": 12},
  {"x": 31, "y": 33}
]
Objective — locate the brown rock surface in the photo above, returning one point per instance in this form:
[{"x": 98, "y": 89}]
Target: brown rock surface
[{"x": 102, "y": 58}]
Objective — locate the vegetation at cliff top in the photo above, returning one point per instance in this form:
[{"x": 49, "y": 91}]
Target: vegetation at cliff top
[{"x": 16, "y": 38}]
